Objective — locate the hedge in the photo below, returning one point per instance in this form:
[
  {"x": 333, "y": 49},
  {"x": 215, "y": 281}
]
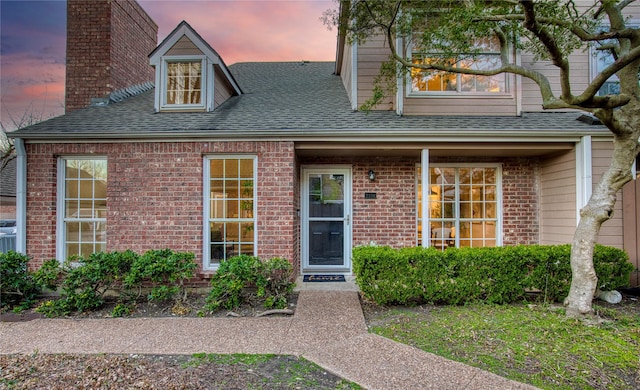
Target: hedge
[{"x": 460, "y": 275}]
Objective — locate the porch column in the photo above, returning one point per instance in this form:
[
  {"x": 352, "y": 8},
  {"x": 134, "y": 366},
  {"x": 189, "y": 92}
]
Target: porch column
[
  {"x": 424, "y": 190},
  {"x": 584, "y": 179}
]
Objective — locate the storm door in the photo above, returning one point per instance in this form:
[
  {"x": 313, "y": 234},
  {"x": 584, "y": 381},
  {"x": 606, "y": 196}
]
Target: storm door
[{"x": 326, "y": 225}]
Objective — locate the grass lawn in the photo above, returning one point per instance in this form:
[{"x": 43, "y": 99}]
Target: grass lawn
[{"x": 533, "y": 344}]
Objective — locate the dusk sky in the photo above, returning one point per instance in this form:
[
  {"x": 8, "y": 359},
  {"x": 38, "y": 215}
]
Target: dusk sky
[{"x": 32, "y": 42}]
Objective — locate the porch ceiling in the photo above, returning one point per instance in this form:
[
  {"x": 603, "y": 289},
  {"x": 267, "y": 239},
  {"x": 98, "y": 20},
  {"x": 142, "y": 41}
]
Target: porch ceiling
[{"x": 405, "y": 149}]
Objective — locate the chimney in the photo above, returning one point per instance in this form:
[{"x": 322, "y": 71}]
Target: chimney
[{"x": 108, "y": 42}]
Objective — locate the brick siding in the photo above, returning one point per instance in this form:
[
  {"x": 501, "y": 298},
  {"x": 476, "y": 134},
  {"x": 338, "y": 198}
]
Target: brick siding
[
  {"x": 521, "y": 202},
  {"x": 107, "y": 46},
  {"x": 154, "y": 195}
]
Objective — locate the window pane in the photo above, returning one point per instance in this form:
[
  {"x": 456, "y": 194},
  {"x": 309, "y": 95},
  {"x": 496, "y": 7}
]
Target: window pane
[
  {"x": 463, "y": 199},
  {"x": 231, "y": 224},
  {"x": 184, "y": 82},
  {"x": 85, "y": 206},
  {"x": 231, "y": 169}
]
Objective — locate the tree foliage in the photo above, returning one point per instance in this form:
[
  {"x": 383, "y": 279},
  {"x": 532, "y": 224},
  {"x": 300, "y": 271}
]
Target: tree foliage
[{"x": 553, "y": 31}]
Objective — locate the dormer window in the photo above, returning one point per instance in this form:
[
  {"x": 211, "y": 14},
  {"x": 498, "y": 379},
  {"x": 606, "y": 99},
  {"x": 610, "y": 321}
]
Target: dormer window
[
  {"x": 190, "y": 75},
  {"x": 184, "y": 83}
]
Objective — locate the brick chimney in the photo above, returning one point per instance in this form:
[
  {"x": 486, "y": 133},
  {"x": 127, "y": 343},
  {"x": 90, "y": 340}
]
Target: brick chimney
[{"x": 108, "y": 42}]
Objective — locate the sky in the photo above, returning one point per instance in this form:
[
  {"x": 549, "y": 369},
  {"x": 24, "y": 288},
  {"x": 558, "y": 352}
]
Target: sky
[{"x": 33, "y": 40}]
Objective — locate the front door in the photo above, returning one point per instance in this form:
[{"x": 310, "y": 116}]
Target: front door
[{"x": 326, "y": 225}]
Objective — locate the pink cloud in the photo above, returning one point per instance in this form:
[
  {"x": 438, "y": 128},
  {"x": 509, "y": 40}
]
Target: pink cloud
[
  {"x": 243, "y": 31},
  {"x": 240, "y": 31},
  {"x": 31, "y": 86}
]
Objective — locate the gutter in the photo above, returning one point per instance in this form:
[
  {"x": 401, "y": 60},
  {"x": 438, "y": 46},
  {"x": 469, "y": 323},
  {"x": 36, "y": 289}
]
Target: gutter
[{"x": 21, "y": 196}]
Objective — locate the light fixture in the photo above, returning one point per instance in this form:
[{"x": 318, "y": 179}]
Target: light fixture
[{"x": 372, "y": 175}]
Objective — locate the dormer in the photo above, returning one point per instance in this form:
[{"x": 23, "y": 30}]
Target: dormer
[{"x": 190, "y": 75}]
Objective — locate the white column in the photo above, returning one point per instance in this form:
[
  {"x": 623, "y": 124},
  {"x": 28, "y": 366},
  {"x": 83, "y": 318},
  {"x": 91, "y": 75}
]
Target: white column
[
  {"x": 21, "y": 196},
  {"x": 584, "y": 179},
  {"x": 424, "y": 179}
]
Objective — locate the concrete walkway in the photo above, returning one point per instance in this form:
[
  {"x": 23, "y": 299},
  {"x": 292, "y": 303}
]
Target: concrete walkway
[{"x": 328, "y": 328}]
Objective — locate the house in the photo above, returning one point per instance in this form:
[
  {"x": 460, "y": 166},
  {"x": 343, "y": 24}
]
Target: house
[
  {"x": 8, "y": 191},
  {"x": 274, "y": 159}
]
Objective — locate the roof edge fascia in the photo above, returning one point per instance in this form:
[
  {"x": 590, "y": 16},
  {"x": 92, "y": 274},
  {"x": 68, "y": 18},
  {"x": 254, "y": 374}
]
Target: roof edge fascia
[{"x": 455, "y": 136}]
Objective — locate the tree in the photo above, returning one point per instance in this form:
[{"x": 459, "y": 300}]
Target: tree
[
  {"x": 30, "y": 116},
  {"x": 551, "y": 30}
]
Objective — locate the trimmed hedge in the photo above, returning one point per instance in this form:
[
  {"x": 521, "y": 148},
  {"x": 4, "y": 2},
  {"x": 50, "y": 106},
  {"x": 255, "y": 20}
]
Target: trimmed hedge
[{"x": 461, "y": 275}]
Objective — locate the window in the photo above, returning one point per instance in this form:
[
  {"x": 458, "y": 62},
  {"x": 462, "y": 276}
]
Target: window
[
  {"x": 488, "y": 57},
  {"x": 83, "y": 206},
  {"x": 601, "y": 59},
  {"x": 230, "y": 201},
  {"x": 184, "y": 81},
  {"x": 464, "y": 206}
]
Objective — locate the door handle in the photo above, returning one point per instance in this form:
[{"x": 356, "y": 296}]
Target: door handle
[{"x": 347, "y": 219}]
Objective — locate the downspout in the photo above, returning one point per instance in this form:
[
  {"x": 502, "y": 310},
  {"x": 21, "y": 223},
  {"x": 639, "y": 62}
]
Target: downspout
[{"x": 21, "y": 196}]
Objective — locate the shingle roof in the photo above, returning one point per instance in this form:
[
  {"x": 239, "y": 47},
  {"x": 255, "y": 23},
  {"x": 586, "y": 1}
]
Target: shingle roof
[
  {"x": 8, "y": 179},
  {"x": 289, "y": 99}
]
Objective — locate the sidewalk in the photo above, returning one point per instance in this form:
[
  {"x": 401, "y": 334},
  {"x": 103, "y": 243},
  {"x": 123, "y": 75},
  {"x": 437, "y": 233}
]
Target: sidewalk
[{"x": 328, "y": 328}]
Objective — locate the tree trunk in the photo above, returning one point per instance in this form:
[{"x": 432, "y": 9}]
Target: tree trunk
[{"x": 598, "y": 210}]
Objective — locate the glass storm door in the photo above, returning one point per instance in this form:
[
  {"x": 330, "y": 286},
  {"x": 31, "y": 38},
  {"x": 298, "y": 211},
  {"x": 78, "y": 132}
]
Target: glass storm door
[{"x": 326, "y": 213}]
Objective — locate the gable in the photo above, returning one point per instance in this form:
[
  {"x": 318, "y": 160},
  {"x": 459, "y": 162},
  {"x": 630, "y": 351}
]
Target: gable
[
  {"x": 183, "y": 47},
  {"x": 190, "y": 74}
]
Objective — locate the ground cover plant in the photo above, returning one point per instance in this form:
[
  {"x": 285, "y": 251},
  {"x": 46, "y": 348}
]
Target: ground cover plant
[
  {"x": 535, "y": 344},
  {"x": 199, "y": 371}
]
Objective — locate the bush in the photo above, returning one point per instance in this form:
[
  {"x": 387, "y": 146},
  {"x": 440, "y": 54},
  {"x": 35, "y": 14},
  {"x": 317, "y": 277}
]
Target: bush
[
  {"x": 167, "y": 272},
  {"x": 232, "y": 284},
  {"x": 84, "y": 282},
  {"x": 461, "y": 275},
  {"x": 18, "y": 288}
]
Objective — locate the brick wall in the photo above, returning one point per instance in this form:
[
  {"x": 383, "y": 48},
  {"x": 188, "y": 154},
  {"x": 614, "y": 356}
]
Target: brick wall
[
  {"x": 390, "y": 219},
  {"x": 134, "y": 35},
  {"x": 154, "y": 195},
  {"x": 108, "y": 42},
  {"x": 521, "y": 202}
]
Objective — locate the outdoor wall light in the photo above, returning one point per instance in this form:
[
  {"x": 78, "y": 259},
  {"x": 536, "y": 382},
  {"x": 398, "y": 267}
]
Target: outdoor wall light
[{"x": 372, "y": 175}]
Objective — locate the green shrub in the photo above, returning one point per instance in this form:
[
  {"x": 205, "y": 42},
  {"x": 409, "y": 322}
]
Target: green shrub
[
  {"x": 18, "y": 288},
  {"x": 232, "y": 284},
  {"x": 84, "y": 282},
  {"x": 461, "y": 275},
  {"x": 165, "y": 270},
  {"x": 50, "y": 275},
  {"x": 276, "y": 282},
  {"x": 87, "y": 280}
]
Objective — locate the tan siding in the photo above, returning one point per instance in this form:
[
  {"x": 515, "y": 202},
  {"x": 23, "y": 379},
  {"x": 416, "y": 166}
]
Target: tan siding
[
  {"x": 531, "y": 97},
  {"x": 222, "y": 89},
  {"x": 183, "y": 47},
  {"x": 345, "y": 71},
  {"x": 371, "y": 54},
  {"x": 611, "y": 231},
  {"x": 558, "y": 199}
]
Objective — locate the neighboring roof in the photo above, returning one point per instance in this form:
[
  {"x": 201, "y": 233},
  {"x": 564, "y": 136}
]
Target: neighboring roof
[
  {"x": 291, "y": 100},
  {"x": 8, "y": 180}
]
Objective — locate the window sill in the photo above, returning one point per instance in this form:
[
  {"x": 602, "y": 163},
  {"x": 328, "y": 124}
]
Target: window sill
[{"x": 454, "y": 95}]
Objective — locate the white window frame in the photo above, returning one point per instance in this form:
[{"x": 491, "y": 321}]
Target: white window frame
[
  {"x": 594, "y": 58},
  {"x": 426, "y": 219},
  {"x": 457, "y": 93},
  {"x": 61, "y": 219},
  {"x": 207, "y": 265},
  {"x": 204, "y": 77}
]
